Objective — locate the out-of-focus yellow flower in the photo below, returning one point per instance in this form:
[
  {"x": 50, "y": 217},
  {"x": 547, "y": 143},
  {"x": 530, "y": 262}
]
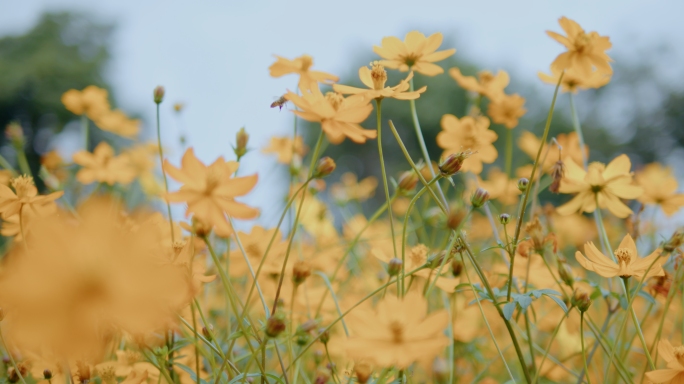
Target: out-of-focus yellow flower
[
  {"x": 5, "y": 176},
  {"x": 605, "y": 183},
  {"x": 254, "y": 244},
  {"x": 468, "y": 133},
  {"x": 142, "y": 160},
  {"x": 629, "y": 264},
  {"x": 416, "y": 52},
  {"x": 103, "y": 166},
  {"x": 210, "y": 191},
  {"x": 507, "y": 109},
  {"x": 660, "y": 188},
  {"x": 285, "y": 148},
  {"x": 500, "y": 187},
  {"x": 339, "y": 116},
  {"x": 586, "y": 51},
  {"x": 25, "y": 197},
  {"x": 574, "y": 81},
  {"x": 486, "y": 83},
  {"x": 674, "y": 357},
  {"x": 307, "y": 79},
  {"x": 417, "y": 257},
  {"x": 529, "y": 143},
  {"x": 91, "y": 101},
  {"x": 349, "y": 188},
  {"x": 398, "y": 332},
  {"x": 375, "y": 79},
  {"x": 118, "y": 123},
  {"x": 95, "y": 277}
]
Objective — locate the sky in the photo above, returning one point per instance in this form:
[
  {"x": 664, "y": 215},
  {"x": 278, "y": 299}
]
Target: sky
[{"x": 214, "y": 55}]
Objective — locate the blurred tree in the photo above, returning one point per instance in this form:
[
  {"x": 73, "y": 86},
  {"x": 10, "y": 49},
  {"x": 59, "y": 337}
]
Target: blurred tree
[{"x": 63, "y": 50}]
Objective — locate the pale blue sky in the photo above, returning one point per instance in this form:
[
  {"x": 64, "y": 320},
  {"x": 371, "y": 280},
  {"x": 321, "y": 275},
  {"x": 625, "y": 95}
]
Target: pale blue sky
[{"x": 214, "y": 55}]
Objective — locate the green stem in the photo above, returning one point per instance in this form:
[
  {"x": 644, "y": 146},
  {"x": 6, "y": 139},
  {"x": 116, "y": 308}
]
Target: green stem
[
  {"x": 197, "y": 354},
  {"x": 548, "y": 347},
  {"x": 509, "y": 152},
  {"x": 584, "y": 352},
  {"x": 166, "y": 181},
  {"x": 378, "y": 113},
  {"x": 578, "y": 129}
]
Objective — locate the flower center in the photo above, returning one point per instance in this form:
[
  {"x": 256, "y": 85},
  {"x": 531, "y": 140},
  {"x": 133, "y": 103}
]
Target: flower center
[
  {"x": 253, "y": 251},
  {"x": 379, "y": 75},
  {"x": 486, "y": 77},
  {"x": 307, "y": 61},
  {"x": 214, "y": 178},
  {"x": 582, "y": 42},
  {"x": 335, "y": 99},
  {"x": 23, "y": 186},
  {"x": 679, "y": 354},
  {"x": 419, "y": 254},
  {"x": 410, "y": 59},
  {"x": 397, "y": 330},
  {"x": 624, "y": 255}
]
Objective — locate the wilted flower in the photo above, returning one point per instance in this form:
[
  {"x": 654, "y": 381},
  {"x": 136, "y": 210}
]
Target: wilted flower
[{"x": 416, "y": 52}]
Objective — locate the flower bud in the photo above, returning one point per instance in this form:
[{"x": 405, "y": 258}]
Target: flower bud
[
  {"x": 318, "y": 357},
  {"x": 675, "y": 242},
  {"x": 453, "y": 163},
  {"x": 408, "y": 181},
  {"x": 159, "y": 94},
  {"x": 479, "y": 198},
  {"x": 324, "y": 167},
  {"x": 557, "y": 173},
  {"x": 208, "y": 331},
  {"x": 275, "y": 325},
  {"x": 455, "y": 218},
  {"x": 456, "y": 267},
  {"x": 300, "y": 271},
  {"x": 363, "y": 372},
  {"x": 47, "y": 374},
  {"x": 324, "y": 335},
  {"x": 241, "y": 140},
  {"x": 565, "y": 273},
  {"x": 321, "y": 377},
  {"x": 394, "y": 266},
  {"x": 581, "y": 300},
  {"x": 436, "y": 260},
  {"x": 308, "y": 325},
  {"x": 504, "y": 218},
  {"x": 522, "y": 184},
  {"x": 15, "y": 134},
  {"x": 302, "y": 338}
]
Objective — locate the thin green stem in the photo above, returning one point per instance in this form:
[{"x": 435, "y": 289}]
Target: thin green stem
[
  {"x": 578, "y": 129},
  {"x": 509, "y": 152},
  {"x": 584, "y": 351},
  {"x": 166, "y": 181},
  {"x": 548, "y": 347},
  {"x": 378, "y": 113},
  {"x": 197, "y": 354}
]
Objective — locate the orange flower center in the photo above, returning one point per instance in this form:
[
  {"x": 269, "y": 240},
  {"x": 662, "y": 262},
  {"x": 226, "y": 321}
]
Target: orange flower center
[
  {"x": 214, "y": 178},
  {"x": 582, "y": 42},
  {"x": 410, "y": 59},
  {"x": 624, "y": 255},
  {"x": 379, "y": 75},
  {"x": 254, "y": 251},
  {"x": 486, "y": 77},
  {"x": 335, "y": 99},
  {"x": 23, "y": 185},
  {"x": 307, "y": 61},
  {"x": 679, "y": 354},
  {"x": 397, "y": 330}
]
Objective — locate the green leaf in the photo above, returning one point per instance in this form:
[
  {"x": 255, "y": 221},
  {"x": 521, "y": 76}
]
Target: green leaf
[
  {"x": 508, "y": 310},
  {"x": 558, "y": 301}
]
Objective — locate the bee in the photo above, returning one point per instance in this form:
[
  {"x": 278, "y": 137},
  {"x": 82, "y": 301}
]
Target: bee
[{"x": 280, "y": 102}]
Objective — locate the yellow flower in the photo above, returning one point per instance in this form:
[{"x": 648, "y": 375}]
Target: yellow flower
[
  {"x": 118, "y": 123},
  {"x": 349, "y": 188},
  {"x": 210, "y": 191},
  {"x": 416, "y": 52},
  {"x": 500, "y": 187},
  {"x": 468, "y": 133},
  {"x": 529, "y": 143},
  {"x": 25, "y": 197},
  {"x": 605, "y": 183},
  {"x": 585, "y": 50},
  {"x": 628, "y": 263},
  {"x": 285, "y": 148},
  {"x": 91, "y": 101},
  {"x": 573, "y": 81},
  {"x": 674, "y": 357},
  {"x": 507, "y": 109},
  {"x": 307, "y": 79},
  {"x": 417, "y": 257},
  {"x": 254, "y": 244},
  {"x": 339, "y": 116},
  {"x": 142, "y": 160},
  {"x": 398, "y": 332},
  {"x": 486, "y": 83},
  {"x": 375, "y": 79},
  {"x": 659, "y": 188},
  {"x": 103, "y": 166}
]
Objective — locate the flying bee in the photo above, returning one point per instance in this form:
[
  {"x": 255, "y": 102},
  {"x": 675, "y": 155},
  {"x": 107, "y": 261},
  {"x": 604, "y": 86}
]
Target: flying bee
[{"x": 280, "y": 102}]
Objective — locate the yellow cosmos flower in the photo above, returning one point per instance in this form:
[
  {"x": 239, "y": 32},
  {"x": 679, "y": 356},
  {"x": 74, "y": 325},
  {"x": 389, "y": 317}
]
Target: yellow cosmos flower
[
  {"x": 529, "y": 143},
  {"x": 349, "y": 188},
  {"x": 574, "y": 81},
  {"x": 285, "y": 148},
  {"x": 397, "y": 333},
  {"x": 605, "y": 183},
  {"x": 375, "y": 79},
  {"x": 674, "y": 357},
  {"x": 417, "y": 257},
  {"x": 486, "y": 83},
  {"x": 210, "y": 191},
  {"x": 507, "y": 109},
  {"x": 91, "y": 101},
  {"x": 628, "y": 263},
  {"x": 118, "y": 123},
  {"x": 142, "y": 159},
  {"x": 307, "y": 79},
  {"x": 586, "y": 51},
  {"x": 416, "y": 52},
  {"x": 339, "y": 116},
  {"x": 103, "y": 166},
  {"x": 468, "y": 133},
  {"x": 659, "y": 188},
  {"x": 500, "y": 187},
  {"x": 25, "y": 197}
]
